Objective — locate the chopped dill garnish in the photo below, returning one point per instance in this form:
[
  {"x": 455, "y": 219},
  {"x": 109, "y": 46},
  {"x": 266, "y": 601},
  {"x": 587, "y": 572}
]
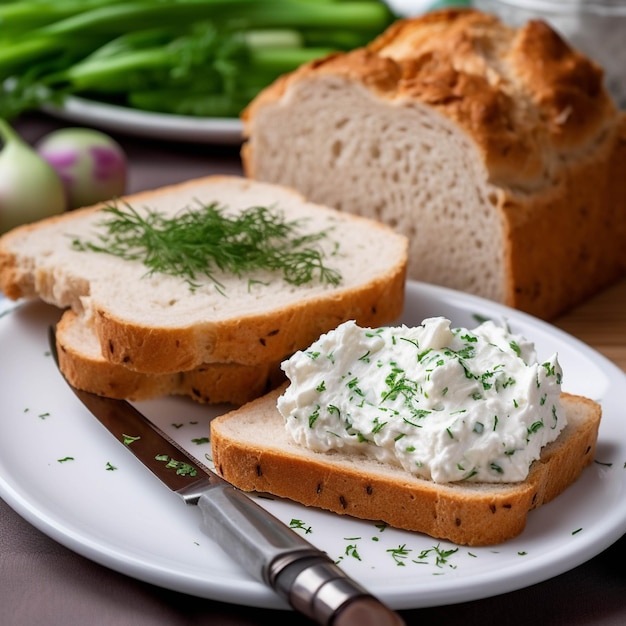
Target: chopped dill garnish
[
  {"x": 299, "y": 524},
  {"x": 399, "y": 554},
  {"x": 204, "y": 241},
  {"x": 200, "y": 440},
  {"x": 182, "y": 468}
]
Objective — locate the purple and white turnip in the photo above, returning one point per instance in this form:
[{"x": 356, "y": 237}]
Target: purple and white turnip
[
  {"x": 90, "y": 164},
  {"x": 68, "y": 168}
]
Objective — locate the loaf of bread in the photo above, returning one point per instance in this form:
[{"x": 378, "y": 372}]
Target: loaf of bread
[
  {"x": 497, "y": 151},
  {"x": 252, "y": 450},
  {"x": 84, "y": 367},
  {"x": 155, "y": 322}
]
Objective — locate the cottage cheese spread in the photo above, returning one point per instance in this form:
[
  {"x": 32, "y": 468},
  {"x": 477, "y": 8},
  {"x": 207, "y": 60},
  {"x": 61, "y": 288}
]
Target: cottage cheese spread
[{"x": 446, "y": 404}]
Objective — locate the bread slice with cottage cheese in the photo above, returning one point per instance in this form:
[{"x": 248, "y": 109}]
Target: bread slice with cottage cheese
[
  {"x": 251, "y": 449},
  {"x": 159, "y": 323},
  {"x": 84, "y": 367}
]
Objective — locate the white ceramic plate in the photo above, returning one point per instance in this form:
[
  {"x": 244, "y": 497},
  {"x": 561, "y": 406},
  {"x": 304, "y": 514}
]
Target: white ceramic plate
[
  {"x": 53, "y": 471},
  {"x": 112, "y": 118}
]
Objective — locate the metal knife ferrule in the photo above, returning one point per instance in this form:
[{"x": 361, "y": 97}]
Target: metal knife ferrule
[{"x": 316, "y": 587}]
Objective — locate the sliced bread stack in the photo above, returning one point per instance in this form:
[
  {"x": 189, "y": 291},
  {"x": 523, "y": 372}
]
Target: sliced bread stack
[
  {"x": 137, "y": 333},
  {"x": 82, "y": 363}
]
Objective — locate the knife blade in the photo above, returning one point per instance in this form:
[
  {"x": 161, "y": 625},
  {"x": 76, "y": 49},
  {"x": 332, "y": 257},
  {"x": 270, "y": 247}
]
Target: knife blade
[{"x": 269, "y": 550}]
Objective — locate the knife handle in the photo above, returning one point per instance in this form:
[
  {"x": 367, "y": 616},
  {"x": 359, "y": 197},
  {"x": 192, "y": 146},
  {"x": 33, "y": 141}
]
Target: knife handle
[{"x": 278, "y": 556}]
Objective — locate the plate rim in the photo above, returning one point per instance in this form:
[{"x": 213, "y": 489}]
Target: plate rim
[{"x": 148, "y": 124}]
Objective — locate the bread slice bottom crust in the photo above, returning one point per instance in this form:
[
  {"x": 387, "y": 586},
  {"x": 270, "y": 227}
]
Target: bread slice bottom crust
[
  {"x": 251, "y": 449},
  {"x": 82, "y": 364}
]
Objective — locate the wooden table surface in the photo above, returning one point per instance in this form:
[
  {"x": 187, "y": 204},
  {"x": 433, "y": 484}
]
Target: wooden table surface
[{"x": 601, "y": 323}]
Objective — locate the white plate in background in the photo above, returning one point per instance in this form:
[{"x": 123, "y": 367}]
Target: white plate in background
[{"x": 113, "y": 118}]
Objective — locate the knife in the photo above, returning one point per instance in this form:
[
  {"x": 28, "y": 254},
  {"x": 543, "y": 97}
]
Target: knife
[{"x": 269, "y": 550}]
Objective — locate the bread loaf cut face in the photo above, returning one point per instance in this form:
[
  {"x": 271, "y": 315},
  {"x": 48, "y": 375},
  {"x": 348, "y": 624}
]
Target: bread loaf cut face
[
  {"x": 155, "y": 323},
  {"x": 495, "y": 150},
  {"x": 84, "y": 367},
  {"x": 252, "y": 450}
]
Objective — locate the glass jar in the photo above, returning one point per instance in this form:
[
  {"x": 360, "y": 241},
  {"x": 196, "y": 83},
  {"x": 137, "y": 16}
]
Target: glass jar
[{"x": 595, "y": 27}]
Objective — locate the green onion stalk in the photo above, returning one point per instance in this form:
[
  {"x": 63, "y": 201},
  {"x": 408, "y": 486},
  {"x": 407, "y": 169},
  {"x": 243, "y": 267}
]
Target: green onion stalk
[{"x": 190, "y": 57}]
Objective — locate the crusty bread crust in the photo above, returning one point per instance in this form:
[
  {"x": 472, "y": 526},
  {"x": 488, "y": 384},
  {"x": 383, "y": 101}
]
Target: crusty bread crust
[
  {"x": 250, "y": 340},
  {"x": 446, "y": 59},
  {"x": 542, "y": 140},
  {"x": 82, "y": 364},
  {"x": 251, "y": 449},
  {"x": 155, "y": 325}
]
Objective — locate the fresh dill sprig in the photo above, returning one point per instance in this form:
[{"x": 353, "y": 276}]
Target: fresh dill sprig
[{"x": 207, "y": 240}]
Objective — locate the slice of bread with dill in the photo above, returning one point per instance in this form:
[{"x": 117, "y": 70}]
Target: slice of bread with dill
[
  {"x": 252, "y": 450},
  {"x": 82, "y": 364},
  {"x": 219, "y": 269}
]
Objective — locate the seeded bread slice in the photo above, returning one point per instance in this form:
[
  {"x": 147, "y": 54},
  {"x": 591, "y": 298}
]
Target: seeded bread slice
[
  {"x": 157, "y": 324},
  {"x": 251, "y": 449},
  {"x": 82, "y": 363}
]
